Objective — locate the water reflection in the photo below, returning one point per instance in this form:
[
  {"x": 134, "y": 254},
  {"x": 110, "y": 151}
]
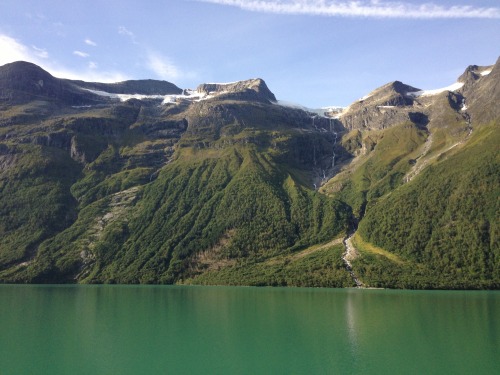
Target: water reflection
[
  {"x": 350, "y": 312},
  {"x": 130, "y": 330}
]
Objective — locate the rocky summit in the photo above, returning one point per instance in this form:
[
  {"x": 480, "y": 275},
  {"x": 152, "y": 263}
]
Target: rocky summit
[{"x": 145, "y": 182}]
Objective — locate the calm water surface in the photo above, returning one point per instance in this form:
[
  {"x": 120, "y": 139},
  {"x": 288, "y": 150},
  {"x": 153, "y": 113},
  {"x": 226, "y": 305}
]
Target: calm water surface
[{"x": 219, "y": 330}]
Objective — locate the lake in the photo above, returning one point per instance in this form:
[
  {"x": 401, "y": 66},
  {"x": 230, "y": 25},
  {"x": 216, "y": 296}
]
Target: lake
[{"x": 236, "y": 330}]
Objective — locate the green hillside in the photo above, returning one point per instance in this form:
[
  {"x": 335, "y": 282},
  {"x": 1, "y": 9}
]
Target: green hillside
[
  {"x": 447, "y": 217},
  {"x": 400, "y": 190}
]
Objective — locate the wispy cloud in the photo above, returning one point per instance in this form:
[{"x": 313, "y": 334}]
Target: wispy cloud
[
  {"x": 162, "y": 66},
  {"x": 122, "y": 30},
  {"x": 362, "y": 8},
  {"x": 81, "y": 54},
  {"x": 12, "y": 50},
  {"x": 90, "y": 42},
  {"x": 40, "y": 52}
]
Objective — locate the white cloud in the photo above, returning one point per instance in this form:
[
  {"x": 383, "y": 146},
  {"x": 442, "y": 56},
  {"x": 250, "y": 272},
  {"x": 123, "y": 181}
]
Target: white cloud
[
  {"x": 122, "y": 30},
  {"x": 81, "y": 54},
  {"x": 12, "y": 50},
  {"x": 90, "y": 42},
  {"x": 361, "y": 8},
  {"x": 162, "y": 67}
]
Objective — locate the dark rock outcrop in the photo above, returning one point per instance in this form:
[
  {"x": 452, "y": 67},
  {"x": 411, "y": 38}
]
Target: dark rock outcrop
[
  {"x": 21, "y": 82},
  {"x": 142, "y": 87}
]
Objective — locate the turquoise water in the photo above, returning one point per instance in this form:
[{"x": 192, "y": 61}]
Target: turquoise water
[{"x": 226, "y": 330}]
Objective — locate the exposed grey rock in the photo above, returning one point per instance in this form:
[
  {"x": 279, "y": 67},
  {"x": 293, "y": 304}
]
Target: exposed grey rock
[
  {"x": 386, "y": 106},
  {"x": 252, "y": 89}
]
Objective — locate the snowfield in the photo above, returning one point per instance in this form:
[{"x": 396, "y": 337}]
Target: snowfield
[
  {"x": 191, "y": 95},
  {"x": 453, "y": 87}
]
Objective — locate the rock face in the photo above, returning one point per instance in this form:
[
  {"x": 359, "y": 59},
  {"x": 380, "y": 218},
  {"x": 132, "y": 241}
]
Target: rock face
[
  {"x": 252, "y": 89},
  {"x": 397, "y": 102},
  {"x": 388, "y": 105},
  {"x": 481, "y": 87}
]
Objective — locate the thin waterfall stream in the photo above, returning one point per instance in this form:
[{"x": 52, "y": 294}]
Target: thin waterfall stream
[{"x": 334, "y": 142}]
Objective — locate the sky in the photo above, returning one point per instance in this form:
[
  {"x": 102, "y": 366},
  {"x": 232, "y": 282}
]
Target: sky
[{"x": 311, "y": 52}]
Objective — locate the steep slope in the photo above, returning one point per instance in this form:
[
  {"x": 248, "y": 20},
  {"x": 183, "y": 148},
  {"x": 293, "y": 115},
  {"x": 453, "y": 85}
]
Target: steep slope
[
  {"x": 427, "y": 190},
  {"x": 159, "y": 190},
  {"x": 142, "y": 182},
  {"x": 447, "y": 218}
]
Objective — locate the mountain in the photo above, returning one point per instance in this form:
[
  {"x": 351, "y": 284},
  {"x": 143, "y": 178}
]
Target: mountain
[
  {"x": 22, "y": 82},
  {"x": 141, "y": 87},
  {"x": 144, "y": 182}
]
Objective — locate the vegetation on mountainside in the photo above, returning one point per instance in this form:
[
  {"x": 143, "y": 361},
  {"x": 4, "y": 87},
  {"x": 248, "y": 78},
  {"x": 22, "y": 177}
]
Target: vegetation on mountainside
[
  {"x": 322, "y": 267},
  {"x": 447, "y": 217},
  {"x": 138, "y": 224},
  {"x": 35, "y": 202},
  {"x": 195, "y": 201},
  {"x": 379, "y": 172},
  {"x": 221, "y": 192}
]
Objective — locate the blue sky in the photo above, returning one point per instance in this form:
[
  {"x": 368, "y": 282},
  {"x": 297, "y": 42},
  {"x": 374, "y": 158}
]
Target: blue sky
[{"x": 312, "y": 52}]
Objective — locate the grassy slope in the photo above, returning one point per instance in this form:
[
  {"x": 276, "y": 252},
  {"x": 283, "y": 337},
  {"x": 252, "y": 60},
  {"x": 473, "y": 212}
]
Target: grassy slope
[{"x": 445, "y": 220}]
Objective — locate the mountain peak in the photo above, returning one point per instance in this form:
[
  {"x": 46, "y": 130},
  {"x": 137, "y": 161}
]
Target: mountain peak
[
  {"x": 20, "y": 79},
  {"x": 251, "y": 89},
  {"x": 21, "y": 69},
  {"x": 391, "y": 94},
  {"x": 23, "y": 81},
  {"x": 474, "y": 72},
  {"x": 391, "y": 90}
]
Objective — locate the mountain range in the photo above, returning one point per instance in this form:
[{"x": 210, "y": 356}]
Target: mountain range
[{"x": 144, "y": 182}]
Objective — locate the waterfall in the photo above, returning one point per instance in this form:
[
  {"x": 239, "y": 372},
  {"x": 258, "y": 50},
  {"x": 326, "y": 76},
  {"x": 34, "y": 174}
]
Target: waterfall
[
  {"x": 314, "y": 125},
  {"x": 334, "y": 142}
]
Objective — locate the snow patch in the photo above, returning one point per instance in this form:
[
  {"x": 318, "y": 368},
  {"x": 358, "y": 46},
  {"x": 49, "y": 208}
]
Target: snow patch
[
  {"x": 453, "y": 87},
  {"x": 318, "y": 111},
  {"x": 226, "y": 83},
  {"x": 166, "y": 99},
  {"x": 485, "y": 73}
]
